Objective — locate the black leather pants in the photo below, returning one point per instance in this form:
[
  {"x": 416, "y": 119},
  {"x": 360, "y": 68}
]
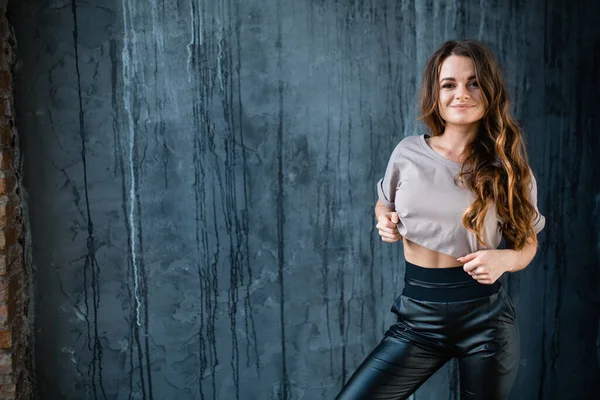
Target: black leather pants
[{"x": 481, "y": 332}]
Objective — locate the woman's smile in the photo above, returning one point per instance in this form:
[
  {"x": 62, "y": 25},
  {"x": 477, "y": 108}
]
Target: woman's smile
[{"x": 462, "y": 107}]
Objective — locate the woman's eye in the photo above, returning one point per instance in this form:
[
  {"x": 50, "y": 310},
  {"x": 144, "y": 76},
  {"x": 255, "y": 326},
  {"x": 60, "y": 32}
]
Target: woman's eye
[
  {"x": 475, "y": 84},
  {"x": 447, "y": 86}
]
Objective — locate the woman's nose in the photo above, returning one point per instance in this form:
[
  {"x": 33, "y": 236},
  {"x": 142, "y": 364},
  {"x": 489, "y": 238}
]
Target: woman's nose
[{"x": 462, "y": 92}]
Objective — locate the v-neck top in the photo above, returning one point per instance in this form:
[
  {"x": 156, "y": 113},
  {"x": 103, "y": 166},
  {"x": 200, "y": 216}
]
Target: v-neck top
[{"x": 419, "y": 184}]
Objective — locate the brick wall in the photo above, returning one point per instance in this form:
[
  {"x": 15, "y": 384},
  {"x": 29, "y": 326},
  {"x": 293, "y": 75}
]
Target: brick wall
[{"x": 15, "y": 360}]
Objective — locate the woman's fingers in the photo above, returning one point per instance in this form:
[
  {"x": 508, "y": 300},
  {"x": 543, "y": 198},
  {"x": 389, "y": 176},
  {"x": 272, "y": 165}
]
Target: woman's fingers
[
  {"x": 482, "y": 276},
  {"x": 386, "y": 224},
  {"x": 477, "y": 271},
  {"x": 388, "y": 229},
  {"x": 389, "y": 235}
]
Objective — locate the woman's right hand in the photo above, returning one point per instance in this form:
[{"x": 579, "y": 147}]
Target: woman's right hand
[{"x": 387, "y": 226}]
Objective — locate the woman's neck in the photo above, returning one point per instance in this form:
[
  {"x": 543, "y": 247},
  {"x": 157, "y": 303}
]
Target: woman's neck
[{"x": 456, "y": 139}]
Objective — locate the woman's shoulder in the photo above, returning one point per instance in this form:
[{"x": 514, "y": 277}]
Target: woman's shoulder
[
  {"x": 408, "y": 143},
  {"x": 411, "y": 140},
  {"x": 408, "y": 148}
]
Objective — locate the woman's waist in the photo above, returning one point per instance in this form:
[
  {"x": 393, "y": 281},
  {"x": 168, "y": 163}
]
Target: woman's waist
[
  {"x": 428, "y": 258},
  {"x": 444, "y": 284}
]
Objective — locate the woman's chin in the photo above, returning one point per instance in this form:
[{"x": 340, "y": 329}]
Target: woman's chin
[{"x": 462, "y": 122}]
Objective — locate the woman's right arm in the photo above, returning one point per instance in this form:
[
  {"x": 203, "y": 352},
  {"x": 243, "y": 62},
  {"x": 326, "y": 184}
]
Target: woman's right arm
[
  {"x": 387, "y": 222},
  {"x": 385, "y": 210}
]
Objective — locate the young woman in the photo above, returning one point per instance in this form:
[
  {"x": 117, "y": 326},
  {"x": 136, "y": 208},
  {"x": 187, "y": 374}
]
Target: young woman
[{"x": 451, "y": 195}]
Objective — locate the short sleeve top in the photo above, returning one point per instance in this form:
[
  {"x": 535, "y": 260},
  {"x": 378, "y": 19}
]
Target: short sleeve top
[{"x": 419, "y": 184}]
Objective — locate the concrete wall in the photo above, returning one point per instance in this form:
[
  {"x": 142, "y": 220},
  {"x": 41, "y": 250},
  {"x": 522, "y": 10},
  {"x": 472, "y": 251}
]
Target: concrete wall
[{"x": 201, "y": 175}]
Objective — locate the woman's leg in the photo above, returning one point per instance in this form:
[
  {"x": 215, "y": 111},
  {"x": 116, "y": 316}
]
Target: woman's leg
[
  {"x": 393, "y": 371},
  {"x": 489, "y": 369}
]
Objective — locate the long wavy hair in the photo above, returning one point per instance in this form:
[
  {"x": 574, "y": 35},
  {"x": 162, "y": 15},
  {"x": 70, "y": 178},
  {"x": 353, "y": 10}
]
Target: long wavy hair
[{"x": 496, "y": 167}]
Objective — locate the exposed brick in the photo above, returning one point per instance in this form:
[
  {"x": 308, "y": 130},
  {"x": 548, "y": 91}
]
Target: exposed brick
[
  {"x": 5, "y": 108},
  {"x": 13, "y": 284},
  {"x": 8, "y": 210},
  {"x": 6, "y": 54},
  {"x": 14, "y": 259},
  {"x": 5, "y": 83},
  {"x": 6, "y": 159},
  {"x": 3, "y": 315},
  {"x": 6, "y": 135},
  {"x": 11, "y": 260},
  {"x": 15, "y": 255},
  {"x": 13, "y": 297},
  {"x": 7, "y": 183},
  {"x": 8, "y": 237},
  {"x": 3, "y": 288},
  {"x": 5, "y": 362},
  {"x": 8, "y": 389},
  {"x": 5, "y": 213},
  {"x": 5, "y": 339}
]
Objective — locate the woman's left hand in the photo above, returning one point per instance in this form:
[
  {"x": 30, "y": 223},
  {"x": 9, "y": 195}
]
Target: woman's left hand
[{"x": 486, "y": 266}]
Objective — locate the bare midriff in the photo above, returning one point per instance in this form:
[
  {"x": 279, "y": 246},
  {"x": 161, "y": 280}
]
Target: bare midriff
[{"x": 424, "y": 257}]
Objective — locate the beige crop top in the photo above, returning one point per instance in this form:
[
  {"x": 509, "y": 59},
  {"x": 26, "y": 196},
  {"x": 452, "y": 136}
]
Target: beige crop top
[{"x": 419, "y": 185}]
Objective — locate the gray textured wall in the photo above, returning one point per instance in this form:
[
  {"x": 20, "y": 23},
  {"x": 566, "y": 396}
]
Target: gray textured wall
[{"x": 201, "y": 176}]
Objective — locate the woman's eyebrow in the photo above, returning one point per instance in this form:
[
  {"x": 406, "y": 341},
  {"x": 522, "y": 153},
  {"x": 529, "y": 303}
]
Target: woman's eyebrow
[{"x": 452, "y": 79}]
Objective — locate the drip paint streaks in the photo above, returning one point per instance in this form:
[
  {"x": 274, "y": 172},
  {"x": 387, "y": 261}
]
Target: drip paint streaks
[
  {"x": 284, "y": 388},
  {"x": 160, "y": 82},
  {"x": 204, "y": 147},
  {"x": 196, "y": 33},
  {"x": 211, "y": 61},
  {"x": 129, "y": 55},
  {"x": 91, "y": 264},
  {"x": 225, "y": 88},
  {"x": 133, "y": 77},
  {"x": 207, "y": 262},
  {"x": 324, "y": 187},
  {"x": 244, "y": 226}
]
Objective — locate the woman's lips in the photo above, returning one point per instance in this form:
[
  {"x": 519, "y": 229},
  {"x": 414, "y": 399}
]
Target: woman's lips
[{"x": 462, "y": 107}]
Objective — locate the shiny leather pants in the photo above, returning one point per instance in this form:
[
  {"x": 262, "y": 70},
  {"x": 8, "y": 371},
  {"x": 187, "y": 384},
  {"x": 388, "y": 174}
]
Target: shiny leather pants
[{"x": 481, "y": 333}]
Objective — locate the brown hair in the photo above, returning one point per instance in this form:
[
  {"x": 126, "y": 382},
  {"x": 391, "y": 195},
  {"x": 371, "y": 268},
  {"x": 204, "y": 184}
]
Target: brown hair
[{"x": 496, "y": 167}]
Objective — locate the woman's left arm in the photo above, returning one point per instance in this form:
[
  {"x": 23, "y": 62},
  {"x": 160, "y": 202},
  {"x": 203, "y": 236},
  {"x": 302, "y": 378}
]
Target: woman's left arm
[
  {"x": 486, "y": 266},
  {"x": 523, "y": 257}
]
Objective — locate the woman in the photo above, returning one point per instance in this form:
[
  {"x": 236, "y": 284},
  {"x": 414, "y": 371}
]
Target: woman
[{"x": 451, "y": 195}]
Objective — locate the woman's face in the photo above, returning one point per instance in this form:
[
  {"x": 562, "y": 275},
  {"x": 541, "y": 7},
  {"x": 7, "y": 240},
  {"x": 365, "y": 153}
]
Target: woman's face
[{"x": 459, "y": 100}]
